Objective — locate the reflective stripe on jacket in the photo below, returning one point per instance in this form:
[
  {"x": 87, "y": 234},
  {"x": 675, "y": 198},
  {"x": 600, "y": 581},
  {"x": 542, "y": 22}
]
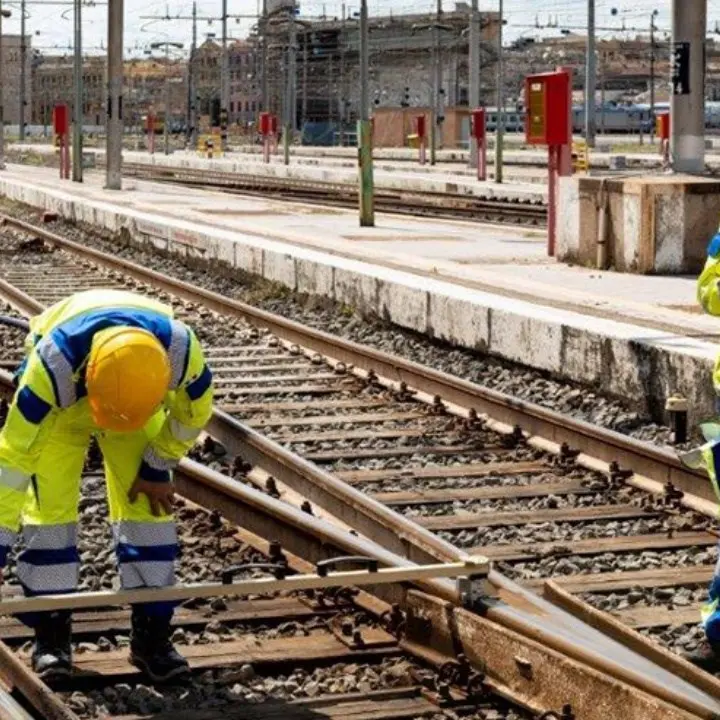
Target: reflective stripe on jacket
[{"x": 53, "y": 379}]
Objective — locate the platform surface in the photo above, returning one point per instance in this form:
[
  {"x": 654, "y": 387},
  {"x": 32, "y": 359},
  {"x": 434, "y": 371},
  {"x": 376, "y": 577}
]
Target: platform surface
[{"x": 512, "y": 262}]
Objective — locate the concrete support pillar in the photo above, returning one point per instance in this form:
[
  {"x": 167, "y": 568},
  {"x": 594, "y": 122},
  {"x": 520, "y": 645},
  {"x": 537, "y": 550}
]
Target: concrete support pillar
[{"x": 689, "y": 19}]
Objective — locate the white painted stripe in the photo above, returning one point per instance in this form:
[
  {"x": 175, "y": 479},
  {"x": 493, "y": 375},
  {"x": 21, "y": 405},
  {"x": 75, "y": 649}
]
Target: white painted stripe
[
  {"x": 14, "y": 479},
  {"x": 48, "y": 578},
  {"x": 182, "y": 432},
  {"x": 145, "y": 534},
  {"x": 147, "y": 574},
  {"x": 50, "y": 537}
]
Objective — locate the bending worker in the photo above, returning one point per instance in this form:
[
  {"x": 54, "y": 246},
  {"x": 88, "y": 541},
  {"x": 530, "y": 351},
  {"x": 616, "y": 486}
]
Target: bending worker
[
  {"x": 707, "y": 656},
  {"x": 118, "y": 367}
]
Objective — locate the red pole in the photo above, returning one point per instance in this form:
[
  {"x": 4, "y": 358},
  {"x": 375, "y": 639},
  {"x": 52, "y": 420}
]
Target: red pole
[
  {"x": 554, "y": 152},
  {"x": 482, "y": 160}
]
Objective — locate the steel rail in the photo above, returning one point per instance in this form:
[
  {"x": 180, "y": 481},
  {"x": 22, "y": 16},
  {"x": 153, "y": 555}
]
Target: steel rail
[
  {"x": 604, "y": 445},
  {"x": 554, "y": 679},
  {"x": 389, "y": 200},
  {"x": 520, "y": 609}
]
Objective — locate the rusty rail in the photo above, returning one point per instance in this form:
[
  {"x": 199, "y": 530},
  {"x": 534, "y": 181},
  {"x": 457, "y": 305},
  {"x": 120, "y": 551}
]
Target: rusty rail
[{"x": 520, "y": 611}]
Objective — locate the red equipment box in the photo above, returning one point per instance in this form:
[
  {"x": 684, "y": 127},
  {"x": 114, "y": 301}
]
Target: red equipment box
[
  {"x": 61, "y": 119},
  {"x": 421, "y": 126},
  {"x": 547, "y": 99},
  {"x": 477, "y": 124},
  {"x": 265, "y": 123},
  {"x": 662, "y": 125}
]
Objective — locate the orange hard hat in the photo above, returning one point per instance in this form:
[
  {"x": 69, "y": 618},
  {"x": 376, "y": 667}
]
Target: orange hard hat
[{"x": 128, "y": 376}]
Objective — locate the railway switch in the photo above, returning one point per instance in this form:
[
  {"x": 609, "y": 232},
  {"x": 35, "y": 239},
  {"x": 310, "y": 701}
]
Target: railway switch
[{"x": 471, "y": 576}]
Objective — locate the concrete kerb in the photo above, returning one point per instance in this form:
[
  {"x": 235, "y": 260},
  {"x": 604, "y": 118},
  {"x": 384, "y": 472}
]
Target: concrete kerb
[{"x": 638, "y": 364}]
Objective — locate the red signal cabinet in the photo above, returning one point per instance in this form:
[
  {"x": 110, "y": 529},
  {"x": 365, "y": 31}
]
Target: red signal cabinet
[
  {"x": 265, "y": 124},
  {"x": 662, "y": 125},
  {"x": 61, "y": 119},
  {"x": 547, "y": 99},
  {"x": 477, "y": 124}
]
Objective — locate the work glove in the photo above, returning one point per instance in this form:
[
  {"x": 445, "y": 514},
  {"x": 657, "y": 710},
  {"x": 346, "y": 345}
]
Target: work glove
[{"x": 160, "y": 495}]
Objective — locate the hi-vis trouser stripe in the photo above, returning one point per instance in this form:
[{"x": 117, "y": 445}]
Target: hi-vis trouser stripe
[
  {"x": 50, "y": 562},
  {"x": 146, "y": 552},
  {"x": 711, "y": 611},
  {"x": 7, "y": 540}
]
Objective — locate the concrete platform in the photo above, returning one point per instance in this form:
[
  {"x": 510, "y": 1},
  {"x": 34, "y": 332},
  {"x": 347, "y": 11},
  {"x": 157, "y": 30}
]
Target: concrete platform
[
  {"x": 644, "y": 224},
  {"x": 483, "y": 287}
]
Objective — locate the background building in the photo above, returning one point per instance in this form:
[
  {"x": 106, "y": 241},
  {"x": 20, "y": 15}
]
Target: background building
[{"x": 11, "y": 64}]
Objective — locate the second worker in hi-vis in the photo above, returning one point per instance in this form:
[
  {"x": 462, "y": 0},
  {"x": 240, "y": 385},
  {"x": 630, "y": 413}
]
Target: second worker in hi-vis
[{"x": 118, "y": 367}]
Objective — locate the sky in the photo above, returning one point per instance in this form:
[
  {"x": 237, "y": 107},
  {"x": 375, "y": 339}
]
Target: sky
[{"x": 51, "y": 26}]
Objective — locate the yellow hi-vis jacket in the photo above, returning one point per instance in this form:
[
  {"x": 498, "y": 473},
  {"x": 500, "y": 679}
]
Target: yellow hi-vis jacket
[
  {"x": 708, "y": 292},
  {"x": 52, "y": 379}
]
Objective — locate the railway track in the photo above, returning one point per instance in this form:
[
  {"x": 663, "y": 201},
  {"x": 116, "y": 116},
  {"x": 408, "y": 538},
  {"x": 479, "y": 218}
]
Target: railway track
[
  {"x": 425, "y": 204},
  {"x": 536, "y": 492}
]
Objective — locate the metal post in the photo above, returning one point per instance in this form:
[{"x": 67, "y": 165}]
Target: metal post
[
  {"x": 474, "y": 71},
  {"x": 590, "y": 78},
  {"x": 688, "y": 85},
  {"x": 602, "y": 94},
  {"x": 224, "y": 81},
  {"x": 2, "y": 93},
  {"x": 290, "y": 94},
  {"x": 77, "y": 169},
  {"x": 500, "y": 127},
  {"x": 652, "y": 76},
  {"x": 265, "y": 98},
  {"x": 342, "y": 79},
  {"x": 166, "y": 129},
  {"x": 23, "y": 53},
  {"x": 114, "y": 131},
  {"x": 437, "y": 82},
  {"x": 364, "y": 134},
  {"x": 286, "y": 110},
  {"x": 192, "y": 91},
  {"x": 305, "y": 77}
]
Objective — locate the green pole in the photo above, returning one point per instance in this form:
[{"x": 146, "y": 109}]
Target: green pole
[
  {"x": 365, "y": 160},
  {"x": 364, "y": 127}
]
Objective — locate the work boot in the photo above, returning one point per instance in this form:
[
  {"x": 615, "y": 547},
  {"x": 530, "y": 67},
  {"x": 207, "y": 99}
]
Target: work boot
[
  {"x": 151, "y": 650},
  {"x": 52, "y": 653},
  {"x": 706, "y": 657}
]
